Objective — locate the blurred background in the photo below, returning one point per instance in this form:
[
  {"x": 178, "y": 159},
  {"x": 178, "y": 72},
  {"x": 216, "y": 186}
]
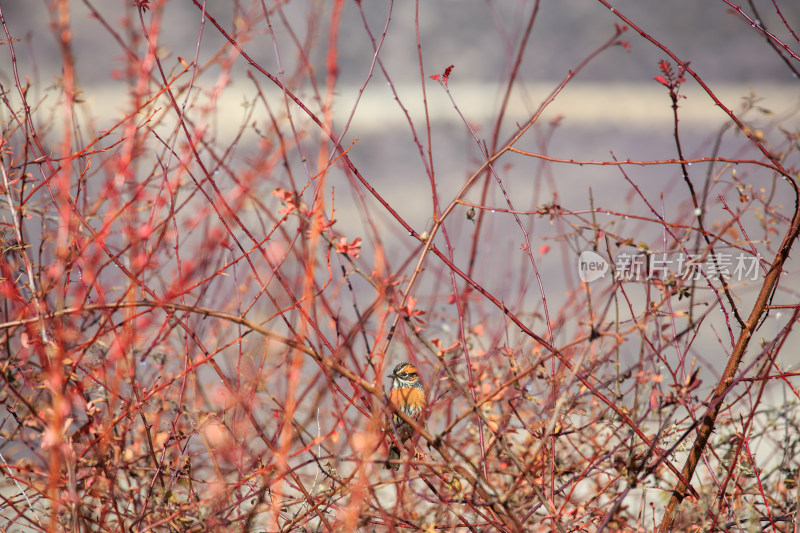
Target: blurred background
[{"x": 612, "y": 108}]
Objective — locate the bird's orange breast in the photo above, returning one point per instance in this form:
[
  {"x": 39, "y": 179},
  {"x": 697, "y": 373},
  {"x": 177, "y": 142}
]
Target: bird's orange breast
[{"x": 410, "y": 399}]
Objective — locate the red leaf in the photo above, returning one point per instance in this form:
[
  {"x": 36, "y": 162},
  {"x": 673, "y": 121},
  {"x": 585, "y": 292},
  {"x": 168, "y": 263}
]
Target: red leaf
[
  {"x": 447, "y": 72},
  {"x": 662, "y": 80},
  {"x": 444, "y": 77},
  {"x": 283, "y": 194},
  {"x": 349, "y": 248},
  {"x": 655, "y": 394}
]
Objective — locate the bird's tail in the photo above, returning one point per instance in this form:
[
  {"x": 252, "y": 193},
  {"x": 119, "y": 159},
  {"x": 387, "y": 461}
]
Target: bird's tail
[{"x": 394, "y": 455}]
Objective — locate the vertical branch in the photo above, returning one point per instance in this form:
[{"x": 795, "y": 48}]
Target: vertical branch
[{"x": 723, "y": 387}]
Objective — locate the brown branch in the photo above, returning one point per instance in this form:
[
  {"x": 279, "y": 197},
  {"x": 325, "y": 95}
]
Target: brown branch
[{"x": 724, "y": 385}]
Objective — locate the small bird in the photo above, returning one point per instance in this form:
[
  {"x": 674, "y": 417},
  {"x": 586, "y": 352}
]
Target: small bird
[{"x": 408, "y": 395}]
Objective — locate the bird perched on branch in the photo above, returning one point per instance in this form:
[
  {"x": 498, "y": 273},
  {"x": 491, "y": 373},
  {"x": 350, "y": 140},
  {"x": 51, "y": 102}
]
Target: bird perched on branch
[{"x": 408, "y": 395}]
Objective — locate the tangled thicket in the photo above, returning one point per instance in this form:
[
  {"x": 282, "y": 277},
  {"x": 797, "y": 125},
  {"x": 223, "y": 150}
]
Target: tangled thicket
[{"x": 197, "y": 318}]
